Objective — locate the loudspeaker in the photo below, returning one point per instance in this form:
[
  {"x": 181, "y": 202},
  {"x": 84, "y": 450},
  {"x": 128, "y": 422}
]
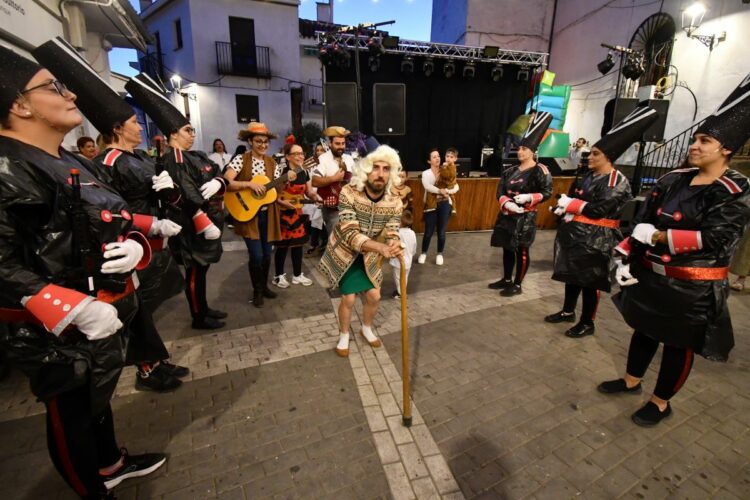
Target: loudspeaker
[
  {"x": 389, "y": 108},
  {"x": 341, "y": 105},
  {"x": 625, "y": 106},
  {"x": 558, "y": 166}
]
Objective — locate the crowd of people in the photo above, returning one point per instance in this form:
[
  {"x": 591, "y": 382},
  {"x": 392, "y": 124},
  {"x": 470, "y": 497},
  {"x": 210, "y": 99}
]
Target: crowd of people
[{"x": 92, "y": 244}]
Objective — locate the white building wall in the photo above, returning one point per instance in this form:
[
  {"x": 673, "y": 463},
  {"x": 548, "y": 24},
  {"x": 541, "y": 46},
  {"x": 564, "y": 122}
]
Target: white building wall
[
  {"x": 511, "y": 25},
  {"x": 582, "y": 25}
]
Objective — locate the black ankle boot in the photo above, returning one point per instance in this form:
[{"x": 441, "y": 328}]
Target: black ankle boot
[
  {"x": 256, "y": 273},
  {"x": 267, "y": 292}
]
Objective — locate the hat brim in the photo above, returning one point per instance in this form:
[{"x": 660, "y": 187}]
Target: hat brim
[{"x": 246, "y": 134}]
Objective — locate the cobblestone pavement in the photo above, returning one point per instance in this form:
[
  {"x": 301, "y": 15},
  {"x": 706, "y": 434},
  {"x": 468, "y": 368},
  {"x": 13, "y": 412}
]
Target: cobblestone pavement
[{"x": 504, "y": 405}]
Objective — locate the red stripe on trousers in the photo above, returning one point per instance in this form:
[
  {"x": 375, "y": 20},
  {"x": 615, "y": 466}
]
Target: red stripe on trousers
[
  {"x": 685, "y": 370},
  {"x": 596, "y": 306},
  {"x": 194, "y": 301},
  {"x": 524, "y": 263},
  {"x": 62, "y": 449}
]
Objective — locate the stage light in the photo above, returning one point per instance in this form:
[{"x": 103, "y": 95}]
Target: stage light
[
  {"x": 469, "y": 70},
  {"x": 490, "y": 52},
  {"x": 390, "y": 42},
  {"x": 633, "y": 68},
  {"x": 324, "y": 54},
  {"x": 449, "y": 68},
  {"x": 374, "y": 63},
  {"x": 523, "y": 74},
  {"x": 341, "y": 56},
  {"x": 407, "y": 65},
  {"x": 374, "y": 46},
  {"x": 606, "y": 64},
  {"x": 428, "y": 66},
  {"x": 496, "y": 74}
]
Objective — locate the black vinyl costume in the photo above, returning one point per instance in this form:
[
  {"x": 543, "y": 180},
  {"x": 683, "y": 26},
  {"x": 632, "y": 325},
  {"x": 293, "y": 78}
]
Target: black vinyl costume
[
  {"x": 514, "y": 230},
  {"x": 36, "y": 250},
  {"x": 693, "y": 313},
  {"x": 583, "y": 251}
]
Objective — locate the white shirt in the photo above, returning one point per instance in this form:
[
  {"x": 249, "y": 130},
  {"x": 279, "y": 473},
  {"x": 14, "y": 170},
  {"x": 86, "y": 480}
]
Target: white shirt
[
  {"x": 408, "y": 238},
  {"x": 221, "y": 159},
  {"x": 258, "y": 167},
  {"x": 429, "y": 180},
  {"x": 328, "y": 166}
]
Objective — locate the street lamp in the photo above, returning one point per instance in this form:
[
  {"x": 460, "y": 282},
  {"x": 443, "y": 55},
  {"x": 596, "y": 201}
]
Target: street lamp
[
  {"x": 692, "y": 17},
  {"x": 176, "y": 82}
]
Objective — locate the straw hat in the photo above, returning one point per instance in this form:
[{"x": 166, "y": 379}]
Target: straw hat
[
  {"x": 336, "y": 132},
  {"x": 253, "y": 129}
]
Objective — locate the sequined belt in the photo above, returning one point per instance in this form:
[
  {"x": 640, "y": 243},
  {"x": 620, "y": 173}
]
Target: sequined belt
[
  {"x": 610, "y": 223},
  {"x": 688, "y": 273}
]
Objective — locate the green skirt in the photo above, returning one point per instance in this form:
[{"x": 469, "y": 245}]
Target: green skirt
[{"x": 355, "y": 280}]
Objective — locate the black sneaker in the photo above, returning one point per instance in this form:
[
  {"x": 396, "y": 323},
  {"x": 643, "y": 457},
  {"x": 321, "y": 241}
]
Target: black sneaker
[
  {"x": 650, "y": 415},
  {"x": 396, "y": 295},
  {"x": 216, "y": 314},
  {"x": 207, "y": 324},
  {"x": 500, "y": 284},
  {"x": 617, "y": 386},
  {"x": 134, "y": 466},
  {"x": 561, "y": 317},
  {"x": 174, "y": 370},
  {"x": 511, "y": 291},
  {"x": 157, "y": 380},
  {"x": 580, "y": 330},
  {"x": 269, "y": 294}
]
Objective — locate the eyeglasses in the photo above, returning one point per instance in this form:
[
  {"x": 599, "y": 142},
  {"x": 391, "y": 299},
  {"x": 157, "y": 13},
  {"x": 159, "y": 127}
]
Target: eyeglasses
[
  {"x": 59, "y": 87},
  {"x": 298, "y": 153}
]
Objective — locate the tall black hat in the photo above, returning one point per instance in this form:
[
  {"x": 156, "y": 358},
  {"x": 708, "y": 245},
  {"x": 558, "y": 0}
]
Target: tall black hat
[
  {"x": 730, "y": 124},
  {"x": 537, "y": 127},
  {"x": 15, "y": 73},
  {"x": 152, "y": 98},
  {"x": 99, "y": 102},
  {"x": 629, "y": 130}
]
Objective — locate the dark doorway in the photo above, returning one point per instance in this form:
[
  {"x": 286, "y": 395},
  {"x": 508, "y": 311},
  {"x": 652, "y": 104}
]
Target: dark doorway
[
  {"x": 242, "y": 38},
  {"x": 296, "y": 108}
]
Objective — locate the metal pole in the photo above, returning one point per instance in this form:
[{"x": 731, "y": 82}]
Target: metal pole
[
  {"x": 405, "y": 376},
  {"x": 638, "y": 173},
  {"x": 617, "y": 92},
  {"x": 359, "y": 89}
]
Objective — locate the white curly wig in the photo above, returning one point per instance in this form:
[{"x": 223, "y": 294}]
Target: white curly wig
[{"x": 364, "y": 167}]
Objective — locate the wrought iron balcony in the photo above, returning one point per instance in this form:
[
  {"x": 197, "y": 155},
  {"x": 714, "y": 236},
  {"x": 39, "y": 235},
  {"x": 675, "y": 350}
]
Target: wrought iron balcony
[{"x": 252, "y": 61}]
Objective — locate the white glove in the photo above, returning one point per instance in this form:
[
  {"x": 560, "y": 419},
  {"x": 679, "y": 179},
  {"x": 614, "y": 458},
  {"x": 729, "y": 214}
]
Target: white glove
[
  {"x": 129, "y": 253},
  {"x": 212, "y": 232},
  {"x": 622, "y": 274},
  {"x": 512, "y": 208},
  {"x": 211, "y": 188},
  {"x": 97, "y": 320},
  {"x": 523, "y": 199},
  {"x": 563, "y": 203},
  {"x": 568, "y": 217},
  {"x": 644, "y": 233},
  {"x": 162, "y": 181},
  {"x": 164, "y": 228},
  {"x": 558, "y": 211}
]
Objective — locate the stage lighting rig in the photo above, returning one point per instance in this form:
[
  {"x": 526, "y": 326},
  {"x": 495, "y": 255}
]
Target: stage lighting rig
[
  {"x": 496, "y": 74},
  {"x": 374, "y": 63},
  {"x": 633, "y": 68},
  {"x": 428, "y": 66},
  {"x": 606, "y": 65},
  {"x": 407, "y": 65},
  {"x": 374, "y": 46},
  {"x": 469, "y": 70},
  {"x": 449, "y": 68},
  {"x": 523, "y": 74}
]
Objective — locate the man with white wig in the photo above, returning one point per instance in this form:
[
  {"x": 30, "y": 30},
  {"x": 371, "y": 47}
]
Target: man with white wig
[{"x": 365, "y": 235}]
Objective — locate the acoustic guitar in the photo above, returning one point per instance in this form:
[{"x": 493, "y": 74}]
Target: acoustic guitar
[{"x": 244, "y": 205}]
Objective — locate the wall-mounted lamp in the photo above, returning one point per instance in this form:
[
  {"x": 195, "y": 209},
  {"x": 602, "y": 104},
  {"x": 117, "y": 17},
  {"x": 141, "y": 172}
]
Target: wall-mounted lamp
[
  {"x": 692, "y": 17},
  {"x": 176, "y": 82}
]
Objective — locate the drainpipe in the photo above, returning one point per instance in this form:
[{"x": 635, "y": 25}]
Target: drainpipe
[{"x": 551, "y": 33}]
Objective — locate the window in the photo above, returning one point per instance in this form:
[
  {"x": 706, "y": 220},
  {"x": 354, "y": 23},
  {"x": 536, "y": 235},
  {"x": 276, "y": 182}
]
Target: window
[
  {"x": 247, "y": 108},
  {"x": 310, "y": 51},
  {"x": 177, "y": 34}
]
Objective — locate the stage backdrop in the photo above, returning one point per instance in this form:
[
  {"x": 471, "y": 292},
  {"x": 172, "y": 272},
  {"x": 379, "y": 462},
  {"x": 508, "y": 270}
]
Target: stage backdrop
[{"x": 441, "y": 112}]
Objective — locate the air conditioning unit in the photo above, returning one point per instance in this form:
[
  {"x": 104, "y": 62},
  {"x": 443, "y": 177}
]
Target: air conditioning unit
[{"x": 647, "y": 92}]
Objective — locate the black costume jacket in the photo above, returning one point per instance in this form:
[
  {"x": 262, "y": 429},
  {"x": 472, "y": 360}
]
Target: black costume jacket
[
  {"x": 36, "y": 257},
  {"x": 705, "y": 224},
  {"x": 583, "y": 249},
  {"x": 131, "y": 175},
  {"x": 513, "y": 230},
  {"x": 190, "y": 170}
]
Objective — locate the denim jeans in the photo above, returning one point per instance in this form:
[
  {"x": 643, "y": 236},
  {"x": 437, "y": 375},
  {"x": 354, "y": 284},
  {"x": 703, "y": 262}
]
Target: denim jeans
[
  {"x": 261, "y": 249},
  {"x": 436, "y": 218}
]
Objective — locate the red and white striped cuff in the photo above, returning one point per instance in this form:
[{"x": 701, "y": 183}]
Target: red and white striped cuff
[
  {"x": 56, "y": 306},
  {"x": 683, "y": 241},
  {"x": 141, "y": 239},
  {"x": 201, "y": 222},
  {"x": 503, "y": 200},
  {"x": 223, "y": 189},
  {"x": 575, "y": 206},
  {"x": 625, "y": 247},
  {"x": 536, "y": 198},
  {"x": 143, "y": 222}
]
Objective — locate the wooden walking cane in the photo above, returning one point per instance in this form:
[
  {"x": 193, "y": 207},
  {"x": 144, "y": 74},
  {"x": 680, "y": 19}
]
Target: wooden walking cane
[{"x": 404, "y": 345}]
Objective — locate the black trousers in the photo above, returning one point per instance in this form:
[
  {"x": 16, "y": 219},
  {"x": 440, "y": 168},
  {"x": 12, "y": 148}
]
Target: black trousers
[
  {"x": 195, "y": 290},
  {"x": 280, "y": 260},
  {"x": 80, "y": 443},
  {"x": 590, "y": 302},
  {"x": 520, "y": 259},
  {"x": 676, "y": 363}
]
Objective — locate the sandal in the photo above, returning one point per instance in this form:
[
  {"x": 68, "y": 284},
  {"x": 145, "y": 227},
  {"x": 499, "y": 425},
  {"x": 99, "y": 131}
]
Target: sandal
[{"x": 738, "y": 285}]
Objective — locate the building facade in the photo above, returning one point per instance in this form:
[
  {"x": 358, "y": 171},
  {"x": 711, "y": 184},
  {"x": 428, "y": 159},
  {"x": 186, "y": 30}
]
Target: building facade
[{"x": 237, "y": 61}]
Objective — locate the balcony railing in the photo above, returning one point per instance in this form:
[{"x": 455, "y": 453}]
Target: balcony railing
[
  {"x": 253, "y": 61},
  {"x": 661, "y": 157},
  {"x": 152, "y": 65}
]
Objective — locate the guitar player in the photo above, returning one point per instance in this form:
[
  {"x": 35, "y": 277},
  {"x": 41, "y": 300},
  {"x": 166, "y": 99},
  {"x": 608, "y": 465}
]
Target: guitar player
[
  {"x": 332, "y": 173},
  {"x": 264, "y": 228}
]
